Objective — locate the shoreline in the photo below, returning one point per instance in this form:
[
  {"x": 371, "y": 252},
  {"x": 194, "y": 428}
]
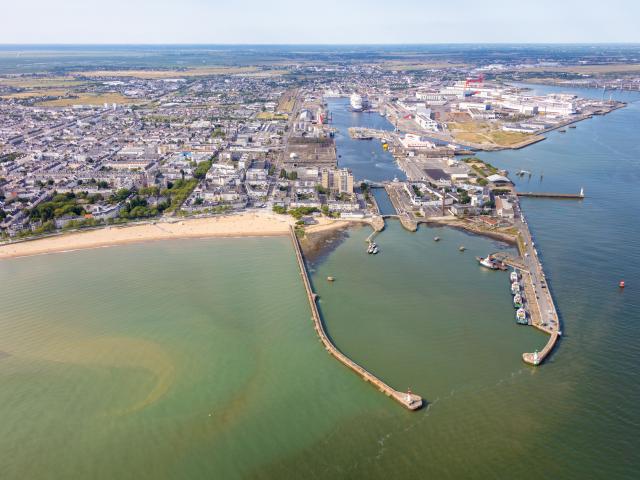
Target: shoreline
[
  {"x": 466, "y": 227},
  {"x": 247, "y": 224}
]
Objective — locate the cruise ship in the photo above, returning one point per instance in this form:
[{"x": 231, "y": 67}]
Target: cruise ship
[{"x": 356, "y": 103}]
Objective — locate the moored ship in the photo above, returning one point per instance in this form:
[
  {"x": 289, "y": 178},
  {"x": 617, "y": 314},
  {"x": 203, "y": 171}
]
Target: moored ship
[
  {"x": 491, "y": 263},
  {"x": 517, "y": 301},
  {"x": 521, "y": 316},
  {"x": 357, "y": 104}
]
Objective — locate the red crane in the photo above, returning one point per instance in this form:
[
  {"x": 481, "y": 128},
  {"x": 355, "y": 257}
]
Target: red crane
[{"x": 478, "y": 80}]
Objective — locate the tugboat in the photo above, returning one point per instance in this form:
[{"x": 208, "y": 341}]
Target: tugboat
[
  {"x": 514, "y": 276},
  {"x": 515, "y": 288},
  {"x": 489, "y": 263},
  {"x": 517, "y": 301},
  {"x": 521, "y": 317}
]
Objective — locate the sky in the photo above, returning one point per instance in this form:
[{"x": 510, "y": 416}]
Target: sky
[{"x": 319, "y": 22}]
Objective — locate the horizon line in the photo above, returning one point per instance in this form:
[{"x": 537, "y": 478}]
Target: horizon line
[{"x": 2, "y": 44}]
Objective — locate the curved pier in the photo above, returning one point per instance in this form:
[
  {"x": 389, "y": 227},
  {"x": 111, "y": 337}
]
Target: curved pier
[{"x": 407, "y": 400}]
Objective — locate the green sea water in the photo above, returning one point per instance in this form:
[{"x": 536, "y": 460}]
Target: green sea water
[{"x": 197, "y": 359}]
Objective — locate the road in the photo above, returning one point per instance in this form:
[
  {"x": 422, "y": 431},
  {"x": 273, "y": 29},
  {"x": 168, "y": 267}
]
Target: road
[{"x": 548, "y": 314}]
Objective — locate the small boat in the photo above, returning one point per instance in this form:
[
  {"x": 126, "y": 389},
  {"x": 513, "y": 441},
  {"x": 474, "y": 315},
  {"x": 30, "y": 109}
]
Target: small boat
[
  {"x": 572, "y": 126},
  {"x": 436, "y": 239},
  {"x": 375, "y": 250},
  {"x": 562, "y": 130},
  {"x": 515, "y": 288},
  {"x": 331, "y": 279},
  {"x": 462, "y": 248},
  {"x": 517, "y": 301},
  {"x": 490, "y": 263},
  {"x": 521, "y": 316},
  {"x": 514, "y": 276}
]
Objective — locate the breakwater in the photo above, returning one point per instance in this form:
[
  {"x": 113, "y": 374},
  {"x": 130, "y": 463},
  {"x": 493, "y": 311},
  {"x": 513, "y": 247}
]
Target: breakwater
[{"x": 408, "y": 400}]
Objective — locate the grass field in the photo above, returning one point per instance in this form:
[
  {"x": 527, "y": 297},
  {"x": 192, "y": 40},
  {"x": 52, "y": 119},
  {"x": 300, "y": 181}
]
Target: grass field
[
  {"x": 41, "y": 92},
  {"x": 190, "y": 72},
  {"x": 271, "y": 116},
  {"x": 590, "y": 69},
  {"x": 45, "y": 82},
  {"x": 487, "y": 133},
  {"x": 89, "y": 99},
  {"x": 404, "y": 66},
  {"x": 287, "y": 101}
]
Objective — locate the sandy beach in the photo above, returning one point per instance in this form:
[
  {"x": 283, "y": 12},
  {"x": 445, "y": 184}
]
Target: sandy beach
[{"x": 238, "y": 225}]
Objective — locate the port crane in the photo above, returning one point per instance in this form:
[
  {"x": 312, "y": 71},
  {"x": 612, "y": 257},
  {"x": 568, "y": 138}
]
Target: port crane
[{"x": 479, "y": 80}]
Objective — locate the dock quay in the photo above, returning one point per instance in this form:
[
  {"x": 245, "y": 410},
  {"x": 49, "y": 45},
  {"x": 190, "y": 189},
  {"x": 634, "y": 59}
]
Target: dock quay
[
  {"x": 575, "y": 196},
  {"x": 541, "y": 307},
  {"x": 408, "y": 400},
  {"x": 406, "y": 220},
  {"x": 377, "y": 222}
]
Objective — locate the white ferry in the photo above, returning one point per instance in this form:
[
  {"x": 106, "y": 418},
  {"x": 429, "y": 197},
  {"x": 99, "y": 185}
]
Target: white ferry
[{"x": 356, "y": 103}]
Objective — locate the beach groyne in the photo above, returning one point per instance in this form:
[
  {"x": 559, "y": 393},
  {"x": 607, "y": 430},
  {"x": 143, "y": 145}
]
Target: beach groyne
[{"x": 408, "y": 400}]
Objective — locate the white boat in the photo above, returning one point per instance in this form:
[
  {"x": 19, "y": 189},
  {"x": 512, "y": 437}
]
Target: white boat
[
  {"x": 517, "y": 301},
  {"x": 521, "y": 316},
  {"x": 514, "y": 276},
  {"x": 375, "y": 250},
  {"x": 487, "y": 262},
  {"x": 356, "y": 103},
  {"x": 515, "y": 288}
]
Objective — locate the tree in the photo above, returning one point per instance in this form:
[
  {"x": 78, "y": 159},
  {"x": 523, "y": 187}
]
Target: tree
[{"x": 201, "y": 170}]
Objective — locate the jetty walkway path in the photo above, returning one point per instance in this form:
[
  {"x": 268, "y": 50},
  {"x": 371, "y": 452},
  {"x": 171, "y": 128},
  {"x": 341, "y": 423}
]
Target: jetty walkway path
[{"x": 408, "y": 400}]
